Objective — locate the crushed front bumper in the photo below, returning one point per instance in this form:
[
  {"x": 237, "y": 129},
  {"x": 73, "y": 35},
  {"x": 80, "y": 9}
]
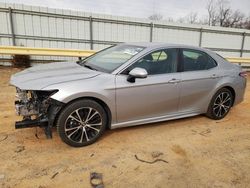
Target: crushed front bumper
[{"x": 37, "y": 109}]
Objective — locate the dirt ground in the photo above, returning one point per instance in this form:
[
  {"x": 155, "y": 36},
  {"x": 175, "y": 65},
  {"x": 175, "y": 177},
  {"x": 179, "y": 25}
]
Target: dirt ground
[{"x": 200, "y": 152}]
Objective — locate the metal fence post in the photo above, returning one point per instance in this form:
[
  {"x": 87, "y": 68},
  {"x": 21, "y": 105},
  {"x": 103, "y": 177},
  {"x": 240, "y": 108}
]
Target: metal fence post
[
  {"x": 200, "y": 39},
  {"x": 151, "y": 32},
  {"x": 242, "y": 44},
  {"x": 91, "y": 32},
  {"x": 12, "y": 27}
]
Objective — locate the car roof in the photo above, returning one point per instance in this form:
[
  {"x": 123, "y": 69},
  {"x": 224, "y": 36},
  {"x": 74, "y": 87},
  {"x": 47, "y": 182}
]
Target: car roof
[{"x": 153, "y": 45}]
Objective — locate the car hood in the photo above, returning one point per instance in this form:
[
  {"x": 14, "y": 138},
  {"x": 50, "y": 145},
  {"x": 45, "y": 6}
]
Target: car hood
[{"x": 41, "y": 76}]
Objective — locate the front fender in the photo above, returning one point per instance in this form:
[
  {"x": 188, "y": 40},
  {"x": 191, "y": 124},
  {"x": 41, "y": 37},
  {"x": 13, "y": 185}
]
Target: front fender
[{"x": 101, "y": 87}]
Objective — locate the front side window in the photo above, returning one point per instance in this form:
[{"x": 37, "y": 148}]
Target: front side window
[
  {"x": 111, "y": 58},
  {"x": 158, "y": 62},
  {"x": 194, "y": 60}
]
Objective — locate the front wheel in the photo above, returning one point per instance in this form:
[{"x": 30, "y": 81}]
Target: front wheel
[
  {"x": 81, "y": 123},
  {"x": 220, "y": 104}
]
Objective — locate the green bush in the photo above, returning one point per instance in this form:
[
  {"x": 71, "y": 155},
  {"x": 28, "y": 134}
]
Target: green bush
[{"x": 21, "y": 61}]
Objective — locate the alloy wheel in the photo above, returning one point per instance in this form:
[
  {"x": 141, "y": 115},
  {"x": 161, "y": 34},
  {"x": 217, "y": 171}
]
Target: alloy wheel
[
  {"x": 222, "y": 104},
  {"x": 83, "y": 125}
]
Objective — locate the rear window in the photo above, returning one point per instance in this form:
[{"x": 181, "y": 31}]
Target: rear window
[{"x": 194, "y": 60}]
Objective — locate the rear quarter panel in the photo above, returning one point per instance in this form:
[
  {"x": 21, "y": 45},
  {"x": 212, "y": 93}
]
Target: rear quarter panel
[{"x": 230, "y": 77}]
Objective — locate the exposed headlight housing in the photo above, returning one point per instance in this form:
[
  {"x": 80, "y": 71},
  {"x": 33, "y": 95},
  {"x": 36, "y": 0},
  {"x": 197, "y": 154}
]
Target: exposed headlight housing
[{"x": 30, "y": 103}]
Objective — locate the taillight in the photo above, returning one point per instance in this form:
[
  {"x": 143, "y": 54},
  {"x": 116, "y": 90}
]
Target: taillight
[{"x": 243, "y": 74}]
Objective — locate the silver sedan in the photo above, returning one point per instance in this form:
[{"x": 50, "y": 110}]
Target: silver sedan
[{"x": 125, "y": 85}]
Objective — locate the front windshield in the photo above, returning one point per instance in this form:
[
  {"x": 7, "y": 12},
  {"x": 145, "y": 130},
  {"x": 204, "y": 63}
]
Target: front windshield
[{"x": 111, "y": 58}]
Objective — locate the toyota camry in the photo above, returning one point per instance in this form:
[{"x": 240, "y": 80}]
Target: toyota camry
[{"x": 125, "y": 85}]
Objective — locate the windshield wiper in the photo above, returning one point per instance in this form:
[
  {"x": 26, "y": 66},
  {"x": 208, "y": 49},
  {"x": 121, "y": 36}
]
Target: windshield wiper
[{"x": 88, "y": 66}]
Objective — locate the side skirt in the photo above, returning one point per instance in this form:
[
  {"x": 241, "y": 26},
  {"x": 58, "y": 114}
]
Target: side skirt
[{"x": 154, "y": 120}]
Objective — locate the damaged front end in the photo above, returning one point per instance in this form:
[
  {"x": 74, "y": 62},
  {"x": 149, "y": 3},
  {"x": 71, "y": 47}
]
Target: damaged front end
[{"x": 37, "y": 109}]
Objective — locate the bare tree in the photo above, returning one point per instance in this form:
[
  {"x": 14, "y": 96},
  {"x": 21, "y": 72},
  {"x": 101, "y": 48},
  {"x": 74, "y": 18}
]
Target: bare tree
[
  {"x": 220, "y": 13},
  {"x": 236, "y": 19},
  {"x": 211, "y": 12},
  {"x": 246, "y": 23},
  {"x": 181, "y": 20},
  {"x": 224, "y": 12},
  {"x": 192, "y": 17},
  {"x": 169, "y": 19},
  {"x": 155, "y": 17}
]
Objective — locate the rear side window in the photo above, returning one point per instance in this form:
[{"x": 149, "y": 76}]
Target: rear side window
[{"x": 194, "y": 60}]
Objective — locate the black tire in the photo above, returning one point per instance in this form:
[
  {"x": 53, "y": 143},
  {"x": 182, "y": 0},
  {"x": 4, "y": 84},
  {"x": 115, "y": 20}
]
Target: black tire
[
  {"x": 81, "y": 123},
  {"x": 217, "y": 108}
]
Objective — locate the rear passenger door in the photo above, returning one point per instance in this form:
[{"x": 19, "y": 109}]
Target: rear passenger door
[{"x": 199, "y": 75}]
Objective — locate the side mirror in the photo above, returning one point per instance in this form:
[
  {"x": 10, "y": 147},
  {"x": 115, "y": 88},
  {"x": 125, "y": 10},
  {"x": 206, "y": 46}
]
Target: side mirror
[{"x": 136, "y": 73}]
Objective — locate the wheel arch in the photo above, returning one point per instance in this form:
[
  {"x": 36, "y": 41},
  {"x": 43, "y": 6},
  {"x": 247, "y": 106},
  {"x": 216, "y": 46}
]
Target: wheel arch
[
  {"x": 227, "y": 86},
  {"x": 231, "y": 89},
  {"x": 98, "y": 100},
  {"x": 210, "y": 112}
]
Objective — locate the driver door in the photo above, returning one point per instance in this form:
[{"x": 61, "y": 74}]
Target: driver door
[{"x": 151, "y": 97}]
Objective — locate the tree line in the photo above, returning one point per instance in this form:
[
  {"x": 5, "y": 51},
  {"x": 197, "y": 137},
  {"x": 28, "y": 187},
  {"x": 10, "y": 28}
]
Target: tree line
[{"x": 219, "y": 13}]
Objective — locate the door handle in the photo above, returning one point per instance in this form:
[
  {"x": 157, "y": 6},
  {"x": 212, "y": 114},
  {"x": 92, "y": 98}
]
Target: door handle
[{"x": 174, "y": 80}]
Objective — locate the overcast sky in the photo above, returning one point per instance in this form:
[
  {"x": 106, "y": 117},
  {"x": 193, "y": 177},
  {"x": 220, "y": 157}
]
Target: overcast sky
[{"x": 136, "y": 8}]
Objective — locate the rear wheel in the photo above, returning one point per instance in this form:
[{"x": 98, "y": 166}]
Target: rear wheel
[
  {"x": 81, "y": 123},
  {"x": 220, "y": 104}
]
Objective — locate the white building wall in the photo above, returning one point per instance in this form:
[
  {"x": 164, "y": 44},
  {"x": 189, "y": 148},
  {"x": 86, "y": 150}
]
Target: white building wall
[{"x": 56, "y": 28}]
